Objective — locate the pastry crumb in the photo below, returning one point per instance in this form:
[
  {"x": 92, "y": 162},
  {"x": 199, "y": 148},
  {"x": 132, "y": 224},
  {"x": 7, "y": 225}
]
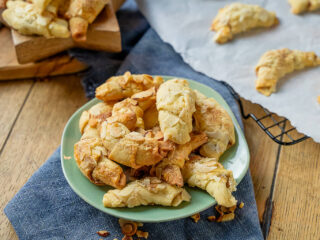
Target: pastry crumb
[
  {"x": 103, "y": 233},
  {"x": 125, "y": 237},
  {"x": 66, "y": 157},
  {"x": 142, "y": 234},
  {"x": 196, "y": 217},
  {"x": 128, "y": 228},
  {"x": 211, "y": 218},
  {"x": 241, "y": 205}
]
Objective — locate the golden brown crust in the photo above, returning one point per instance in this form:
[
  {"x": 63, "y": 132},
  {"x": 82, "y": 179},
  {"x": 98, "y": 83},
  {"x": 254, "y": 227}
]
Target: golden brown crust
[
  {"x": 211, "y": 118},
  {"x": 275, "y": 64},
  {"x": 90, "y": 158},
  {"x": 237, "y": 17},
  {"x": 300, "y": 6},
  {"x": 78, "y": 28},
  {"x": 120, "y": 87},
  {"x": 176, "y": 104}
]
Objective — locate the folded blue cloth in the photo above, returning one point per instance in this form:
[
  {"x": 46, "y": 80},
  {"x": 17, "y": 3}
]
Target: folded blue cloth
[{"x": 47, "y": 208}]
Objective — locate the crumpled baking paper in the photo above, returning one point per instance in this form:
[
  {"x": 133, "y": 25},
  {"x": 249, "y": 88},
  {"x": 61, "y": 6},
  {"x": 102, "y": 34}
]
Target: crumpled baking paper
[{"x": 185, "y": 24}]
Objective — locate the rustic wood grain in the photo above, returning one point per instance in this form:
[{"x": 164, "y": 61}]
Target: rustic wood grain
[
  {"x": 10, "y": 68},
  {"x": 263, "y": 153},
  {"x": 12, "y": 97},
  {"x": 296, "y": 201},
  {"x": 35, "y": 135},
  {"x": 103, "y": 34}
]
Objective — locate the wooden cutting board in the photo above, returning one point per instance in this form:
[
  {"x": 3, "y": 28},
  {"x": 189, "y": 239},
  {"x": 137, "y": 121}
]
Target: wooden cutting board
[
  {"x": 62, "y": 64},
  {"x": 11, "y": 69}
]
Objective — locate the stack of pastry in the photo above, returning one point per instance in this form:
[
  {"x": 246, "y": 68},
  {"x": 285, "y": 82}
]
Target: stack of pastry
[
  {"x": 163, "y": 134},
  {"x": 52, "y": 18}
]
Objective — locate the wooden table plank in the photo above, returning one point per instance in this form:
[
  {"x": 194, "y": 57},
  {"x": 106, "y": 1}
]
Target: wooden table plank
[
  {"x": 12, "y": 97},
  {"x": 263, "y": 153},
  {"x": 296, "y": 211},
  {"x": 35, "y": 136}
]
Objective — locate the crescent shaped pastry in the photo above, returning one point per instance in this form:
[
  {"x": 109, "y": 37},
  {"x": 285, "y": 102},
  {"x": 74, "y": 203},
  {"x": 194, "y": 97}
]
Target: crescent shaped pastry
[
  {"x": 119, "y": 87},
  {"x": 236, "y": 18},
  {"x": 300, "y": 6},
  {"x": 135, "y": 150},
  {"x": 208, "y": 174},
  {"x": 275, "y": 64},
  {"x": 90, "y": 158},
  {"x": 176, "y": 104},
  {"x": 93, "y": 118},
  {"x": 28, "y": 20},
  {"x": 211, "y": 118},
  {"x": 169, "y": 168},
  {"x": 147, "y": 191}
]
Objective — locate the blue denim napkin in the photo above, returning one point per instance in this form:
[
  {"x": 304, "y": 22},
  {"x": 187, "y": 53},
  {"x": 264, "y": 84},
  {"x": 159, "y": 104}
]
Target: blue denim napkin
[{"x": 47, "y": 208}]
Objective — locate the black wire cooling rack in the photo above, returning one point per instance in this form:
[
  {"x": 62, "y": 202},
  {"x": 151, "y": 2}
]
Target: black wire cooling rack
[{"x": 277, "y": 130}]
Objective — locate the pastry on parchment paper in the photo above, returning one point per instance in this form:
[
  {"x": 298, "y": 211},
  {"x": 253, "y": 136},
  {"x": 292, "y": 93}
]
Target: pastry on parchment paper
[
  {"x": 300, "y": 6},
  {"x": 29, "y": 20},
  {"x": 211, "y": 118},
  {"x": 176, "y": 104},
  {"x": 208, "y": 174},
  {"x": 147, "y": 191},
  {"x": 275, "y": 64},
  {"x": 238, "y": 17}
]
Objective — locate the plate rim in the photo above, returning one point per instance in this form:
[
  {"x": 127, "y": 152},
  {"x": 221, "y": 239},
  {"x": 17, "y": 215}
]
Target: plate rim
[{"x": 169, "y": 218}]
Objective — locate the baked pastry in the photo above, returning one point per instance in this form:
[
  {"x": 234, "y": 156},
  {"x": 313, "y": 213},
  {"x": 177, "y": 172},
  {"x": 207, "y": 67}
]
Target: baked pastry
[
  {"x": 90, "y": 158},
  {"x": 28, "y": 20},
  {"x": 119, "y": 87},
  {"x": 135, "y": 150},
  {"x": 128, "y": 113},
  {"x": 275, "y": 64},
  {"x": 112, "y": 133},
  {"x": 208, "y": 174},
  {"x": 150, "y": 117},
  {"x": 176, "y": 104},
  {"x": 169, "y": 168},
  {"x": 95, "y": 116},
  {"x": 238, "y": 17},
  {"x": 211, "y": 118},
  {"x": 80, "y": 14},
  {"x": 147, "y": 191},
  {"x": 300, "y": 6},
  {"x": 146, "y": 98}
]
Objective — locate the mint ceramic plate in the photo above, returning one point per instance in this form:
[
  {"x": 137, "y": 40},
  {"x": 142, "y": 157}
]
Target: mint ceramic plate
[{"x": 235, "y": 159}]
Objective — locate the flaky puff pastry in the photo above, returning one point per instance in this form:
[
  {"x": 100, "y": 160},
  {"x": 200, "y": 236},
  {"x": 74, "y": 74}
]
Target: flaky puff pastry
[
  {"x": 176, "y": 104},
  {"x": 147, "y": 191},
  {"x": 169, "y": 168},
  {"x": 208, "y": 174},
  {"x": 211, "y": 118},
  {"x": 275, "y": 64},
  {"x": 128, "y": 113},
  {"x": 28, "y": 20},
  {"x": 119, "y": 87},
  {"x": 238, "y": 17},
  {"x": 80, "y": 14},
  {"x": 300, "y": 6},
  {"x": 90, "y": 158},
  {"x": 136, "y": 150},
  {"x": 91, "y": 120}
]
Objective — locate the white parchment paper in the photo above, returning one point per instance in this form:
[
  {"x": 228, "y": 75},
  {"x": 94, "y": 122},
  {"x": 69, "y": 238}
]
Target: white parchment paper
[{"x": 185, "y": 24}]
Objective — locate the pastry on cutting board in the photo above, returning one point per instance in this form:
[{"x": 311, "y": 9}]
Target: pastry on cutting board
[
  {"x": 90, "y": 156},
  {"x": 208, "y": 174},
  {"x": 211, "y": 118},
  {"x": 275, "y": 64},
  {"x": 120, "y": 87},
  {"x": 80, "y": 14},
  {"x": 28, "y": 20},
  {"x": 147, "y": 191},
  {"x": 236, "y": 18},
  {"x": 176, "y": 104},
  {"x": 300, "y": 6}
]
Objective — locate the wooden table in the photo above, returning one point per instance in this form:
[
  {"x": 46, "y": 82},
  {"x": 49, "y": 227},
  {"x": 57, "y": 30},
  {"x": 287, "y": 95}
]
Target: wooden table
[{"x": 34, "y": 113}]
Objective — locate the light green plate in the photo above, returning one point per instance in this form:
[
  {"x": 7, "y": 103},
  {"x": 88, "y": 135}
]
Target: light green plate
[{"x": 235, "y": 159}]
